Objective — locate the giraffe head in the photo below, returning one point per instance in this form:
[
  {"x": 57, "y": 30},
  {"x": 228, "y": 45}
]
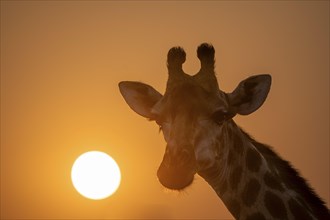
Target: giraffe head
[{"x": 192, "y": 112}]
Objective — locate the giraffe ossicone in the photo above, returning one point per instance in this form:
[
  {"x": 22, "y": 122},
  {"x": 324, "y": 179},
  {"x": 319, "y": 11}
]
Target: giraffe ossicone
[{"x": 196, "y": 118}]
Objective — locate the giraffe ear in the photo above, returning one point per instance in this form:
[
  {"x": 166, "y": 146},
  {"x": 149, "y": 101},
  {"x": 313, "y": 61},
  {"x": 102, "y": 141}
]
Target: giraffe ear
[
  {"x": 140, "y": 97},
  {"x": 250, "y": 94}
]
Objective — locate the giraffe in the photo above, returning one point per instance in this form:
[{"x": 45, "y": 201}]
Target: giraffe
[{"x": 196, "y": 119}]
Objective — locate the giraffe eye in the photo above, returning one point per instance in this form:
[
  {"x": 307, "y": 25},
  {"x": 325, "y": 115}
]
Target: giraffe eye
[
  {"x": 219, "y": 116},
  {"x": 222, "y": 115}
]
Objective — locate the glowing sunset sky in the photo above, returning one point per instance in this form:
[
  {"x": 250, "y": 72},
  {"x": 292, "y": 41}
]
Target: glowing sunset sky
[{"x": 60, "y": 67}]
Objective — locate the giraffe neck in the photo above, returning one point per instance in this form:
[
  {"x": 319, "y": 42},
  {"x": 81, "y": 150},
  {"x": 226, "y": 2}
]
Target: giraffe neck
[{"x": 255, "y": 183}]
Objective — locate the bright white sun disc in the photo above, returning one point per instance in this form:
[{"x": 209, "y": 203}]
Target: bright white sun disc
[{"x": 95, "y": 175}]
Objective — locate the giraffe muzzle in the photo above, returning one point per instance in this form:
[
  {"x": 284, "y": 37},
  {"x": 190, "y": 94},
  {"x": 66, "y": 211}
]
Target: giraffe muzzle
[
  {"x": 177, "y": 170},
  {"x": 176, "y": 179}
]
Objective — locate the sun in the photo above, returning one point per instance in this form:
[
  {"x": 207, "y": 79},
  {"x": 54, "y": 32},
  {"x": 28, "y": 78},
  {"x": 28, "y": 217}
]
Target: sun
[{"x": 95, "y": 175}]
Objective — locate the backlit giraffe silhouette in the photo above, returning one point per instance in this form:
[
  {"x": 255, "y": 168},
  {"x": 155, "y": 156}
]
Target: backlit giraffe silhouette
[{"x": 196, "y": 118}]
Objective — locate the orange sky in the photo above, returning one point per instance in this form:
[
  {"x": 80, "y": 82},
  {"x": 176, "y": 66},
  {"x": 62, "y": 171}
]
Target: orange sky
[{"x": 60, "y": 66}]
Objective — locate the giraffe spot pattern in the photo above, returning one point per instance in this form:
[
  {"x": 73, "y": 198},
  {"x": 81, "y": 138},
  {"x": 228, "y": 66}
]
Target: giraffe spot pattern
[
  {"x": 256, "y": 216},
  {"x": 234, "y": 208},
  {"x": 250, "y": 192},
  {"x": 272, "y": 182},
  {"x": 303, "y": 203},
  {"x": 298, "y": 211},
  {"x": 253, "y": 160},
  {"x": 235, "y": 177},
  {"x": 275, "y": 205}
]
